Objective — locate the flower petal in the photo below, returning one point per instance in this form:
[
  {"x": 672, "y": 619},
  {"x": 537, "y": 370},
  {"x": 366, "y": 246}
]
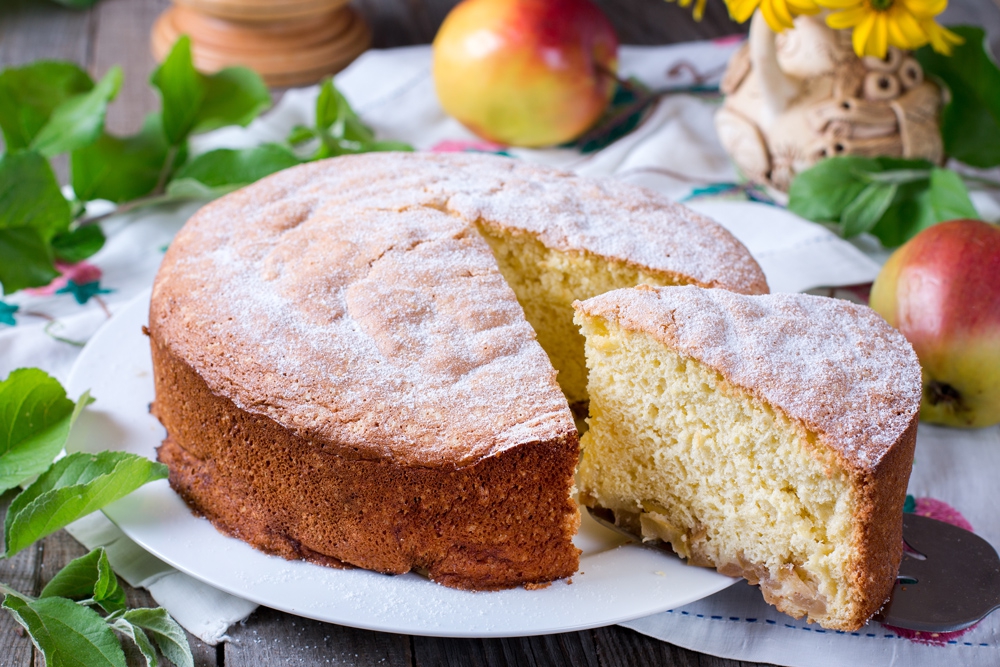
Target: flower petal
[
  {"x": 773, "y": 20},
  {"x": 742, "y": 10},
  {"x": 905, "y": 31},
  {"x": 942, "y": 40},
  {"x": 862, "y": 30},
  {"x": 699, "y": 9},
  {"x": 925, "y": 8},
  {"x": 841, "y": 4},
  {"x": 799, "y": 7},
  {"x": 847, "y": 19},
  {"x": 781, "y": 11},
  {"x": 878, "y": 42}
]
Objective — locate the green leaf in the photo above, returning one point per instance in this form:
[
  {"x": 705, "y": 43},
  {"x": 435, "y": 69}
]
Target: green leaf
[
  {"x": 121, "y": 168},
  {"x": 194, "y": 102},
  {"x": 226, "y": 166},
  {"x": 30, "y": 195},
  {"x": 73, "y": 487},
  {"x": 78, "y": 244},
  {"x": 893, "y": 198},
  {"x": 79, "y": 120},
  {"x": 233, "y": 96},
  {"x": 169, "y": 636},
  {"x": 949, "y": 197},
  {"x": 822, "y": 192},
  {"x": 29, "y": 95},
  {"x": 182, "y": 90},
  {"x": 300, "y": 134},
  {"x": 910, "y": 214},
  {"x": 387, "y": 146},
  {"x": 35, "y": 420},
  {"x": 32, "y": 212},
  {"x": 25, "y": 260},
  {"x": 67, "y": 634},
  {"x": 867, "y": 208},
  {"x": 91, "y": 579},
  {"x": 189, "y": 188},
  {"x": 140, "y": 638},
  {"x": 898, "y": 176},
  {"x": 331, "y": 107},
  {"x": 970, "y": 122}
]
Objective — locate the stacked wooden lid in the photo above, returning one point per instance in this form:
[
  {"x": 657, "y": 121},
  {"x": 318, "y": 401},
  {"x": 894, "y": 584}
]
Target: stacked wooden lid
[{"x": 287, "y": 42}]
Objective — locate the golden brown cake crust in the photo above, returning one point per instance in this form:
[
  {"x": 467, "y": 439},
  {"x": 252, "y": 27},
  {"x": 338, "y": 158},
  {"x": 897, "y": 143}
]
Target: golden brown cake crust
[{"x": 505, "y": 521}]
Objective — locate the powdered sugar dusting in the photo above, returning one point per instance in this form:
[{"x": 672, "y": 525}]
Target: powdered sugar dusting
[
  {"x": 352, "y": 301},
  {"x": 836, "y": 366}
]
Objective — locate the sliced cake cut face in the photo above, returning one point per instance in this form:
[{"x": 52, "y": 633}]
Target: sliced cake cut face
[
  {"x": 770, "y": 437},
  {"x": 548, "y": 281}
]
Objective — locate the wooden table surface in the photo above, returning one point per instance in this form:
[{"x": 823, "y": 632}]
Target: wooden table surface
[{"x": 116, "y": 32}]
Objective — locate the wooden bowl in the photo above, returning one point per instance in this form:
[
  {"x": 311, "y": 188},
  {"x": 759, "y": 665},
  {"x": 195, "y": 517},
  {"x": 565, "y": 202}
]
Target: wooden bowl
[
  {"x": 293, "y": 51},
  {"x": 261, "y": 11}
]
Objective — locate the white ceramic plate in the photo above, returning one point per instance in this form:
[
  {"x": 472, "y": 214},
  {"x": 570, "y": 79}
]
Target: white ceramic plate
[{"x": 616, "y": 581}]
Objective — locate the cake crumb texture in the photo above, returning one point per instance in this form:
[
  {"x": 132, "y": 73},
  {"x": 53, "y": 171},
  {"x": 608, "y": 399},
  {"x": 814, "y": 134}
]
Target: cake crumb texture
[{"x": 717, "y": 425}]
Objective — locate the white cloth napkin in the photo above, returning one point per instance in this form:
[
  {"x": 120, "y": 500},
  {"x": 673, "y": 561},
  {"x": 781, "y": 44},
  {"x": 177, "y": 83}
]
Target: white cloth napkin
[{"x": 674, "y": 151}]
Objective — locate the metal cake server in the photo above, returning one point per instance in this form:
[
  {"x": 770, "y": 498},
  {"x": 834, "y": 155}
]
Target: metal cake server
[{"x": 949, "y": 578}]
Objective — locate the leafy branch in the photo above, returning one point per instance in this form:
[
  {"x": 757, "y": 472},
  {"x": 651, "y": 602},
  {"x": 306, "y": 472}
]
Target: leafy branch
[
  {"x": 52, "y": 108},
  {"x": 895, "y": 199},
  {"x": 81, "y": 611}
]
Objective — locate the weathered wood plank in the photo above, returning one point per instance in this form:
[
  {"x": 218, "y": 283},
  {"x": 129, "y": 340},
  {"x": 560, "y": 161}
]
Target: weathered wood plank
[
  {"x": 270, "y": 637},
  {"x": 660, "y": 22},
  {"x": 981, "y": 13},
  {"x": 31, "y": 30},
  {"x": 574, "y": 649},
  {"x": 59, "y": 549},
  {"x": 621, "y": 647},
  {"x": 396, "y": 23},
  {"x": 20, "y": 573},
  {"x": 122, "y": 38},
  {"x": 204, "y": 655}
]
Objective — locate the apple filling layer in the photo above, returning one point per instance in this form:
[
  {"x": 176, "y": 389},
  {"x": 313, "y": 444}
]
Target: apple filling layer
[
  {"x": 547, "y": 282},
  {"x": 682, "y": 455}
]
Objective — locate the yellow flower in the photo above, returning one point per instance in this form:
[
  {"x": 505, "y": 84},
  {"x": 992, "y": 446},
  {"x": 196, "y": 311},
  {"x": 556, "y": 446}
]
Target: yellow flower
[
  {"x": 878, "y": 24},
  {"x": 942, "y": 40},
  {"x": 699, "y": 7},
  {"x": 777, "y": 13}
]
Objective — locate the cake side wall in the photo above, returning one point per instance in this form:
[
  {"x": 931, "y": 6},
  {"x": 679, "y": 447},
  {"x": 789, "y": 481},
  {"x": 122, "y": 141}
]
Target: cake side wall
[
  {"x": 878, "y": 535},
  {"x": 505, "y": 521}
]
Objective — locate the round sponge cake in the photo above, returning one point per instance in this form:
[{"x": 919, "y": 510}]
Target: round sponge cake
[{"x": 346, "y": 374}]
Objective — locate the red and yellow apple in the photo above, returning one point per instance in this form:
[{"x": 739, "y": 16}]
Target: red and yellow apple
[
  {"x": 525, "y": 72},
  {"x": 942, "y": 291}
]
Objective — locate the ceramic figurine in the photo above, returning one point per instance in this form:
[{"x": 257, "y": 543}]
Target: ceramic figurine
[{"x": 796, "y": 97}]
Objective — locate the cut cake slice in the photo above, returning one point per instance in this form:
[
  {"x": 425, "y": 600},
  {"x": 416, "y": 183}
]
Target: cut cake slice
[{"x": 768, "y": 436}]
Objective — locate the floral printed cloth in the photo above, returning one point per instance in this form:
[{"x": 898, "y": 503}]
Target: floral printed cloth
[{"x": 674, "y": 151}]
